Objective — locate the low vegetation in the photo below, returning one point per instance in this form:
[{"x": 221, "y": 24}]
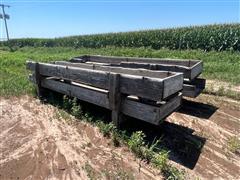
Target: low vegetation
[
  {"x": 221, "y": 66},
  {"x": 223, "y": 91},
  {"x": 210, "y": 37},
  {"x": 234, "y": 144}
]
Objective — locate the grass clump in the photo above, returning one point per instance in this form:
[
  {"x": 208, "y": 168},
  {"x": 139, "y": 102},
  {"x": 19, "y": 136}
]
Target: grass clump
[
  {"x": 136, "y": 143},
  {"x": 106, "y": 128},
  {"x": 118, "y": 174},
  {"x": 61, "y": 114},
  {"x": 172, "y": 173},
  {"x": 222, "y": 91},
  {"x": 158, "y": 157},
  {"x": 90, "y": 171},
  {"x": 76, "y": 109},
  {"x": 67, "y": 103},
  {"x": 234, "y": 144}
]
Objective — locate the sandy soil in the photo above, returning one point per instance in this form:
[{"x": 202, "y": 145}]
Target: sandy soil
[
  {"x": 215, "y": 86},
  {"x": 213, "y": 121},
  {"x": 35, "y": 143}
]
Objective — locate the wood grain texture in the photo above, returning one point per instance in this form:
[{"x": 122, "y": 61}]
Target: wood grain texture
[
  {"x": 145, "y": 87},
  {"x": 118, "y": 69},
  {"x": 173, "y": 82},
  {"x": 115, "y": 59},
  {"x": 159, "y": 67},
  {"x": 130, "y": 107},
  {"x": 194, "y": 88},
  {"x": 115, "y": 99},
  {"x": 83, "y": 93},
  {"x": 191, "y": 68}
]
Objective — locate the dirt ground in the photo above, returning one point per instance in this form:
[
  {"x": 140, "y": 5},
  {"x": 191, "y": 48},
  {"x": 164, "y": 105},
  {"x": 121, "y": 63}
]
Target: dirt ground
[
  {"x": 35, "y": 143},
  {"x": 215, "y": 121}
]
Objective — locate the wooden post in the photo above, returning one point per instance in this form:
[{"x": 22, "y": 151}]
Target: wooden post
[
  {"x": 115, "y": 98},
  {"x": 38, "y": 79},
  {"x": 65, "y": 80}
]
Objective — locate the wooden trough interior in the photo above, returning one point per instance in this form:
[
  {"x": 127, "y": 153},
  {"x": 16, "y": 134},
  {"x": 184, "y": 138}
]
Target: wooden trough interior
[{"x": 140, "y": 93}]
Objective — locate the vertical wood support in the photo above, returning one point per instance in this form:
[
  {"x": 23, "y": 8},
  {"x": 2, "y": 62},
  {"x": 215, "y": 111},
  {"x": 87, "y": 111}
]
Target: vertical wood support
[
  {"x": 115, "y": 98},
  {"x": 65, "y": 80},
  {"x": 40, "y": 89}
]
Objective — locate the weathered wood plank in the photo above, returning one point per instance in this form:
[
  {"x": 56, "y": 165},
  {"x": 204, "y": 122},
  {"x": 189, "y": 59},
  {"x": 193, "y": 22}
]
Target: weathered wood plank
[
  {"x": 149, "y": 113},
  {"x": 160, "y": 67},
  {"x": 95, "y": 78},
  {"x": 191, "y": 68},
  {"x": 193, "y": 88},
  {"x": 145, "y": 87},
  {"x": 196, "y": 70},
  {"x": 115, "y": 98},
  {"x": 190, "y": 90},
  {"x": 115, "y": 59},
  {"x": 141, "y": 111},
  {"x": 199, "y": 82},
  {"x": 173, "y": 84},
  {"x": 83, "y": 93},
  {"x": 170, "y": 106},
  {"x": 117, "y": 69},
  {"x": 38, "y": 78},
  {"x": 79, "y": 60}
]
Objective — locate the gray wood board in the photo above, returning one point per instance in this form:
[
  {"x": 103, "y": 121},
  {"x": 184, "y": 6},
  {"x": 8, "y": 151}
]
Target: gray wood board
[
  {"x": 145, "y": 87},
  {"x": 115, "y": 59},
  {"x": 145, "y": 112},
  {"x": 172, "y": 82}
]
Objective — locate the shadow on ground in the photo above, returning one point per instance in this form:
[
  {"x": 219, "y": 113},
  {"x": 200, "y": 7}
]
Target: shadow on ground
[
  {"x": 184, "y": 146},
  {"x": 197, "y": 109}
]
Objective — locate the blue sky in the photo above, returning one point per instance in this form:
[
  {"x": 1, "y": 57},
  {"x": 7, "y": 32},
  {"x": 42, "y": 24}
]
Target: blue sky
[{"x": 57, "y": 18}]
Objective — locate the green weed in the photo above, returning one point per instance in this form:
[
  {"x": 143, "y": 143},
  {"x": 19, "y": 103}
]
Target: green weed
[
  {"x": 76, "y": 109},
  {"x": 67, "y": 103},
  {"x": 118, "y": 174},
  {"x": 172, "y": 173},
  {"x": 105, "y": 129},
  {"x": 61, "y": 114},
  {"x": 160, "y": 159},
  {"x": 234, "y": 144},
  {"x": 136, "y": 143},
  {"x": 90, "y": 171}
]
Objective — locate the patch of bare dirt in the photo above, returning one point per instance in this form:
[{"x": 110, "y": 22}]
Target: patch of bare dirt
[
  {"x": 217, "y": 120},
  {"x": 215, "y": 86},
  {"x": 36, "y": 144}
]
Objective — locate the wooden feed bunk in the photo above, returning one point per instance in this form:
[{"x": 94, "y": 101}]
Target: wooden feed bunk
[
  {"x": 193, "y": 85},
  {"x": 140, "y": 93}
]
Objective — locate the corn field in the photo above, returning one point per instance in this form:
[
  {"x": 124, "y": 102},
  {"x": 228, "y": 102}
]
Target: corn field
[{"x": 209, "y": 37}]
